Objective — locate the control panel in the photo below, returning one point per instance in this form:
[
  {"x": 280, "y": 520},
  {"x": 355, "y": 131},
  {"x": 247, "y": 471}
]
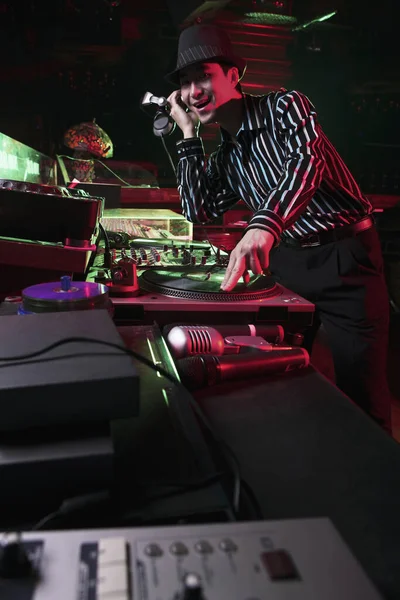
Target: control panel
[
  {"x": 267, "y": 560},
  {"x": 169, "y": 253}
]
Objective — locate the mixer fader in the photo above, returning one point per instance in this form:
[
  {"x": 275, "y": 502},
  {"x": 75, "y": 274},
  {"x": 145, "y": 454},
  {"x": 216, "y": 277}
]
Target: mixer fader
[
  {"x": 295, "y": 560},
  {"x": 148, "y": 253}
]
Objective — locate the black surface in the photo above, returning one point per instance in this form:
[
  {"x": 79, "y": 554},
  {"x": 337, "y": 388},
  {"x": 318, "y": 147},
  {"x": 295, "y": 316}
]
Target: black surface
[
  {"x": 48, "y": 218},
  {"x": 81, "y": 381},
  {"x": 307, "y": 451}
]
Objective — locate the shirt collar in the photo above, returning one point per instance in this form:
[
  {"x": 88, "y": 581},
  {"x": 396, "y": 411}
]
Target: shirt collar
[{"x": 252, "y": 117}]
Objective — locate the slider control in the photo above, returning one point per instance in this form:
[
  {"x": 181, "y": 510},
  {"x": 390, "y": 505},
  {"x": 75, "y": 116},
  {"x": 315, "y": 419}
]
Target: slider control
[{"x": 112, "y": 570}]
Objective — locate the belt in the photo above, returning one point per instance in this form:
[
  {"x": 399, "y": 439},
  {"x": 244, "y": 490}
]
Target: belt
[{"x": 334, "y": 235}]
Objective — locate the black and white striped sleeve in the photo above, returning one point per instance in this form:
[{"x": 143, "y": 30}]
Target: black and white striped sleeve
[
  {"x": 296, "y": 121},
  {"x": 203, "y": 195}
]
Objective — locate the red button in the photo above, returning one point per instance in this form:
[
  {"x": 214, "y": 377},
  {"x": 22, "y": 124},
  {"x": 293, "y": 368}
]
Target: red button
[{"x": 279, "y": 565}]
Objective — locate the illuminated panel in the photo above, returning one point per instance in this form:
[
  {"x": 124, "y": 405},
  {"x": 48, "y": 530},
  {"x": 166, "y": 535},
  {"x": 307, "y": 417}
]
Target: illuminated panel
[{"x": 19, "y": 162}]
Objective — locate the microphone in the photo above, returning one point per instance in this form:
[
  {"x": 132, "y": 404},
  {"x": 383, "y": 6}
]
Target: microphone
[
  {"x": 202, "y": 371},
  {"x": 188, "y": 340}
]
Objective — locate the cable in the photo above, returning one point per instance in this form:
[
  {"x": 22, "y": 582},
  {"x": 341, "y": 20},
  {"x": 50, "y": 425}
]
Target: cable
[
  {"x": 129, "y": 185},
  {"x": 204, "y": 232},
  {"x": 107, "y": 250},
  {"x": 46, "y": 520},
  {"x": 227, "y": 452},
  {"x": 71, "y": 506},
  {"x": 72, "y": 340},
  {"x": 258, "y": 513},
  {"x": 169, "y": 155}
]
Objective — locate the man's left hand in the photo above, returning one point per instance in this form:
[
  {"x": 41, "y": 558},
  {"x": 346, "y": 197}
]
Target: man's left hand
[{"x": 250, "y": 254}]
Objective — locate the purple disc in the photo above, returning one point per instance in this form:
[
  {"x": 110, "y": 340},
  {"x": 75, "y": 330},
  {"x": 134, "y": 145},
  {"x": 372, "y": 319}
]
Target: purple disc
[{"x": 51, "y": 297}]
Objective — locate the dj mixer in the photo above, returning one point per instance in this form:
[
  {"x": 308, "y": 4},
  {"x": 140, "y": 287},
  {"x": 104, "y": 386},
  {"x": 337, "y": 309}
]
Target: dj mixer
[
  {"x": 298, "y": 559},
  {"x": 147, "y": 253}
]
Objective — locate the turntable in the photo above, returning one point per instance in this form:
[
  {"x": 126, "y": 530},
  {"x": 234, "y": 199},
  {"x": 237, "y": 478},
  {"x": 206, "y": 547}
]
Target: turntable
[
  {"x": 204, "y": 284},
  {"x": 193, "y": 294}
]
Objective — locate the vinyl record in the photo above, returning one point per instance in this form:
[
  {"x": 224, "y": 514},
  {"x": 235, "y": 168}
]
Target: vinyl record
[{"x": 203, "y": 283}]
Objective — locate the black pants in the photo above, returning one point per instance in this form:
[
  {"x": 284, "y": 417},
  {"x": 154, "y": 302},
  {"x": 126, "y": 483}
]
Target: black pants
[{"x": 345, "y": 281}]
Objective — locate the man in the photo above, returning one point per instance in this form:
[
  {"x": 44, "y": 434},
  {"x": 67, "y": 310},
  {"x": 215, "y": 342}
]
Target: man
[{"x": 311, "y": 225}]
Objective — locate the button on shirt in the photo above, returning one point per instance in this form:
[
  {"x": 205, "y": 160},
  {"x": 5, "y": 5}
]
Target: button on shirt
[{"x": 282, "y": 166}]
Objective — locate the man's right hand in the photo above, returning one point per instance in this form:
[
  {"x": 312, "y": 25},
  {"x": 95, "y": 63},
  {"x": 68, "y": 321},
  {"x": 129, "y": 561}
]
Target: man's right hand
[{"x": 187, "y": 121}]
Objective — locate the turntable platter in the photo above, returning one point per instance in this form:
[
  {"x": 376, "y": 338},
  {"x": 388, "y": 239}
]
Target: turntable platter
[{"x": 203, "y": 283}]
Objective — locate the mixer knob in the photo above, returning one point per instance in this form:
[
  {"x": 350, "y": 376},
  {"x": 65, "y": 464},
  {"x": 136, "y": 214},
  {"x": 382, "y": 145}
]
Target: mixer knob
[
  {"x": 192, "y": 260},
  {"x": 118, "y": 238},
  {"x": 14, "y": 561},
  {"x": 119, "y": 274},
  {"x": 204, "y": 260},
  {"x": 192, "y": 588}
]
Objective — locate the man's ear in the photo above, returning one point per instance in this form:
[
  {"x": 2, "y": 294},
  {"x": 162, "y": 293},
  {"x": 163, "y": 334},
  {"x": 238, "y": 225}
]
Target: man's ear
[{"x": 234, "y": 76}]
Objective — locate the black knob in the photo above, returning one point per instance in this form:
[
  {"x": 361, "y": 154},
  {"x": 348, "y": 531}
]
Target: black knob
[
  {"x": 192, "y": 588},
  {"x": 119, "y": 274},
  {"x": 14, "y": 561}
]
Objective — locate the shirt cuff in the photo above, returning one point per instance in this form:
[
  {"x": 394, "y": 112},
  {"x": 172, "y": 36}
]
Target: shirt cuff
[
  {"x": 267, "y": 220},
  {"x": 190, "y": 147}
]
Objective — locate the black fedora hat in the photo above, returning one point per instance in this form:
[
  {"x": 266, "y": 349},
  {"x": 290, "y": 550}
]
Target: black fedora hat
[{"x": 203, "y": 43}]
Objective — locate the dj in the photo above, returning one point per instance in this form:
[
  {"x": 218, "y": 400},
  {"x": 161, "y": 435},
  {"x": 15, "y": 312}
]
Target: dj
[{"x": 311, "y": 225}]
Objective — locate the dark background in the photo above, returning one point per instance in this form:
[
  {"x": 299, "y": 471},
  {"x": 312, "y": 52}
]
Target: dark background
[{"x": 68, "y": 61}]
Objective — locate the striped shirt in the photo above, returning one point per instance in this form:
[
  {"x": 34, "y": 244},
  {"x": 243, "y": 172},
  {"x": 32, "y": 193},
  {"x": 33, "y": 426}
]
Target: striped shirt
[{"x": 282, "y": 166}]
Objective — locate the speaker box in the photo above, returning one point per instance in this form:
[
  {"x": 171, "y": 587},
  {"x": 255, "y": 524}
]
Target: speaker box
[{"x": 186, "y": 13}]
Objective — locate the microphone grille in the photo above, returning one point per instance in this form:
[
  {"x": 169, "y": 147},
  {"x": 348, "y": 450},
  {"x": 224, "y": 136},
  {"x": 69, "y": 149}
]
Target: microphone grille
[
  {"x": 198, "y": 371},
  {"x": 189, "y": 340},
  {"x": 200, "y": 339}
]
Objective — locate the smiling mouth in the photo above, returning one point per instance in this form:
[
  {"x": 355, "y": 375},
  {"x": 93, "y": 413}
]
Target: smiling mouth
[{"x": 201, "y": 105}]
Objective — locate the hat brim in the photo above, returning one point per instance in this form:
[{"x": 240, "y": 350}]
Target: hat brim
[{"x": 235, "y": 61}]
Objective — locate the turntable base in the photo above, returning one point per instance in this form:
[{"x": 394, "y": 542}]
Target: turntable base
[{"x": 185, "y": 294}]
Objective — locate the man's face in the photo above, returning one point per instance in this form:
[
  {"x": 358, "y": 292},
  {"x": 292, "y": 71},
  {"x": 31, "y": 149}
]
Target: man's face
[{"x": 205, "y": 87}]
